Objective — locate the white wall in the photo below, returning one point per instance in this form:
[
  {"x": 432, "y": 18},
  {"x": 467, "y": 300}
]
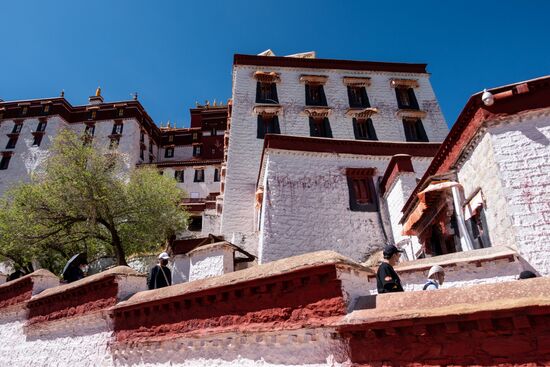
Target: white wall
[
  {"x": 521, "y": 148},
  {"x": 210, "y": 261},
  {"x": 28, "y": 159},
  {"x": 202, "y": 189},
  {"x": 245, "y": 149}
]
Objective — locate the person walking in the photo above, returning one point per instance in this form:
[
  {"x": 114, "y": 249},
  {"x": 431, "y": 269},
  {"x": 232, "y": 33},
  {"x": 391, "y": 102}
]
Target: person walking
[
  {"x": 160, "y": 275},
  {"x": 436, "y": 277},
  {"x": 387, "y": 279}
]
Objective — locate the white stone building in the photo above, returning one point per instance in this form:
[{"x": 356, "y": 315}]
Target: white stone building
[
  {"x": 326, "y": 99},
  {"x": 193, "y": 156},
  {"x": 489, "y": 184}
]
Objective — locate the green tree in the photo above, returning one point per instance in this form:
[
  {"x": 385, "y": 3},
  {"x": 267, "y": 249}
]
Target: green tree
[{"x": 92, "y": 200}]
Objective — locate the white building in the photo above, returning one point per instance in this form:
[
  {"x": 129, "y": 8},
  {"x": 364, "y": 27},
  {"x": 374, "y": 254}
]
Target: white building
[
  {"x": 321, "y": 98},
  {"x": 489, "y": 184},
  {"x": 193, "y": 156}
]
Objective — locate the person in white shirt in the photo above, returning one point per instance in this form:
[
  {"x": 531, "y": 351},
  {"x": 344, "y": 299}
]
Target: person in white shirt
[{"x": 436, "y": 277}]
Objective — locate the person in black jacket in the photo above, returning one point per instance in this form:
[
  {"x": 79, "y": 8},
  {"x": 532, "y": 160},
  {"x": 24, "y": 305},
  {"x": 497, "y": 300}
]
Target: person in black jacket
[
  {"x": 160, "y": 276},
  {"x": 387, "y": 279}
]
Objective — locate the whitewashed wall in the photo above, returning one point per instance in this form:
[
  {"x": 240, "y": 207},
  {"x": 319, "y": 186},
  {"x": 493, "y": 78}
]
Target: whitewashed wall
[
  {"x": 196, "y": 189},
  {"x": 245, "y": 149},
  {"x": 522, "y": 153},
  {"x": 26, "y": 158},
  {"x": 210, "y": 261}
]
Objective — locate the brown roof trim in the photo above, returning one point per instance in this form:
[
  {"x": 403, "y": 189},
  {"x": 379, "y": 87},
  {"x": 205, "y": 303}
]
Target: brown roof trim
[
  {"x": 359, "y": 147},
  {"x": 473, "y": 116},
  {"x": 295, "y": 62}
]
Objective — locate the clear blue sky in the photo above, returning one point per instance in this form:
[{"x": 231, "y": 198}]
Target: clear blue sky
[{"x": 176, "y": 52}]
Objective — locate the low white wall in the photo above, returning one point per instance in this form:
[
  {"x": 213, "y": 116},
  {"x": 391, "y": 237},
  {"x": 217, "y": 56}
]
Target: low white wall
[{"x": 210, "y": 261}]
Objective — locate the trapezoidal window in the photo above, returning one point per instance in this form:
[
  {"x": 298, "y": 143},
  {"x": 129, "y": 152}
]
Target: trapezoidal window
[
  {"x": 358, "y": 97},
  {"x": 5, "y": 162},
  {"x": 406, "y": 98},
  {"x": 315, "y": 95},
  {"x": 414, "y": 130},
  {"x": 199, "y": 175},
  {"x": 362, "y": 194},
  {"x": 267, "y": 125},
  {"x": 364, "y": 129},
  {"x": 320, "y": 127},
  {"x": 266, "y": 93},
  {"x": 179, "y": 175}
]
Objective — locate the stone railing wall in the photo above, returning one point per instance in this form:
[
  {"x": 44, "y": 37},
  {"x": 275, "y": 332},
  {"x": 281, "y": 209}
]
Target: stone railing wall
[{"x": 309, "y": 310}]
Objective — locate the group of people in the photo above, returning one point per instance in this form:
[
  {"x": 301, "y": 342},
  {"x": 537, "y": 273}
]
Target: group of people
[{"x": 388, "y": 281}]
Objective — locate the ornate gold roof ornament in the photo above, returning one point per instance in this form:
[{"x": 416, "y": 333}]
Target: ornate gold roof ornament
[{"x": 98, "y": 92}]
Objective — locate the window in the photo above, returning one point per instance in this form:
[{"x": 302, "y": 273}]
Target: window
[
  {"x": 142, "y": 153},
  {"x": 214, "y": 131},
  {"x": 315, "y": 95},
  {"x": 151, "y": 147},
  {"x": 196, "y": 150},
  {"x": 364, "y": 129},
  {"x": 41, "y": 125},
  {"x": 358, "y": 97},
  {"x": 142, "y": 137},
  {"x": 89, "y": 130},
  {"x": 117, "y": 128},
  {"x": 199, "y": 175},
  {"x": 195, "y": 136},
  {"x": 320, "y": 127},
  {"x": 414, "y": 130},
  {"x": 17, "y": 128},
  {"x": 11, "y": 143},
  {"x": 267, "y": 125},
  {"x": 266, "y": 93},
  {"x": 114, "y": 143},
  {"x": 362, "y": 194},
  {"x": 170, "y": 138},
  {"x": 406, "y": 98},
  {"x": 37, "y": 140},
  {"x": 178, "y": 175},
  {"x": 4, "y": 162},
  {"x": 217, "y": 175},
  {"x": 169, "y": 153},
  {"x": 195, "y": 224}
]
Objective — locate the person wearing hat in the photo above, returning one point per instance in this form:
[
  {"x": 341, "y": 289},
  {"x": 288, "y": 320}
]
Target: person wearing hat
[
  {"x": 387, "y": 279},
  {"x": 160, "y": 275},
  {"x": 436, "y": 277}
]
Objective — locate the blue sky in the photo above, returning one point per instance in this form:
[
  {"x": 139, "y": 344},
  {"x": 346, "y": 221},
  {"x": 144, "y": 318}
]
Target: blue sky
[{"x": 174, "y": 53}]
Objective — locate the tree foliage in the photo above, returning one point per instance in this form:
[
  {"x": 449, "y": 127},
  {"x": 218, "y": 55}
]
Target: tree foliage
[{"x": 88, "y": 200}]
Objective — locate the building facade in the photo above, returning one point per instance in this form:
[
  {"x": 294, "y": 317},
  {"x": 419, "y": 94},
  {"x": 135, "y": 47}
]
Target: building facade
[
  {"x": 323, "y": 99},
  {"x": 193, "y": 155}
]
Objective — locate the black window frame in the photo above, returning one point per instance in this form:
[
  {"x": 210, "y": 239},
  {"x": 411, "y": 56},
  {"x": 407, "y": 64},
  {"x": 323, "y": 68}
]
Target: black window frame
[
  {"x": 416, "y": 132},
  {"x": 360, "y": 99},
  {"x": 320, "y": 127},
  {"x": 116, "y": 127},
  {"x": 363, "y": 129},
  {"x": 169, "y": 155},
  {"x": 197, "y": 150},
  {"x": 17, "y": 128},
  {"x": 12, "y": 142},
  {"x": 179, "y": 175},
  {"x": 266, "y": 93},
  {"x": 41, "y": 127},
  {"x": 320, "y": 99},
  {"x": 89, "y": 130},
  {"x": 216, "y": 175},
  {"x": 267, "y": 125},
  {"x": 400, "y": 93},
  {"x": 5, "y": 162},
  {"x": 362, "y": 192},
  {"x": 37, "y": 140},
  {"x": 199, "y": 178}
]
